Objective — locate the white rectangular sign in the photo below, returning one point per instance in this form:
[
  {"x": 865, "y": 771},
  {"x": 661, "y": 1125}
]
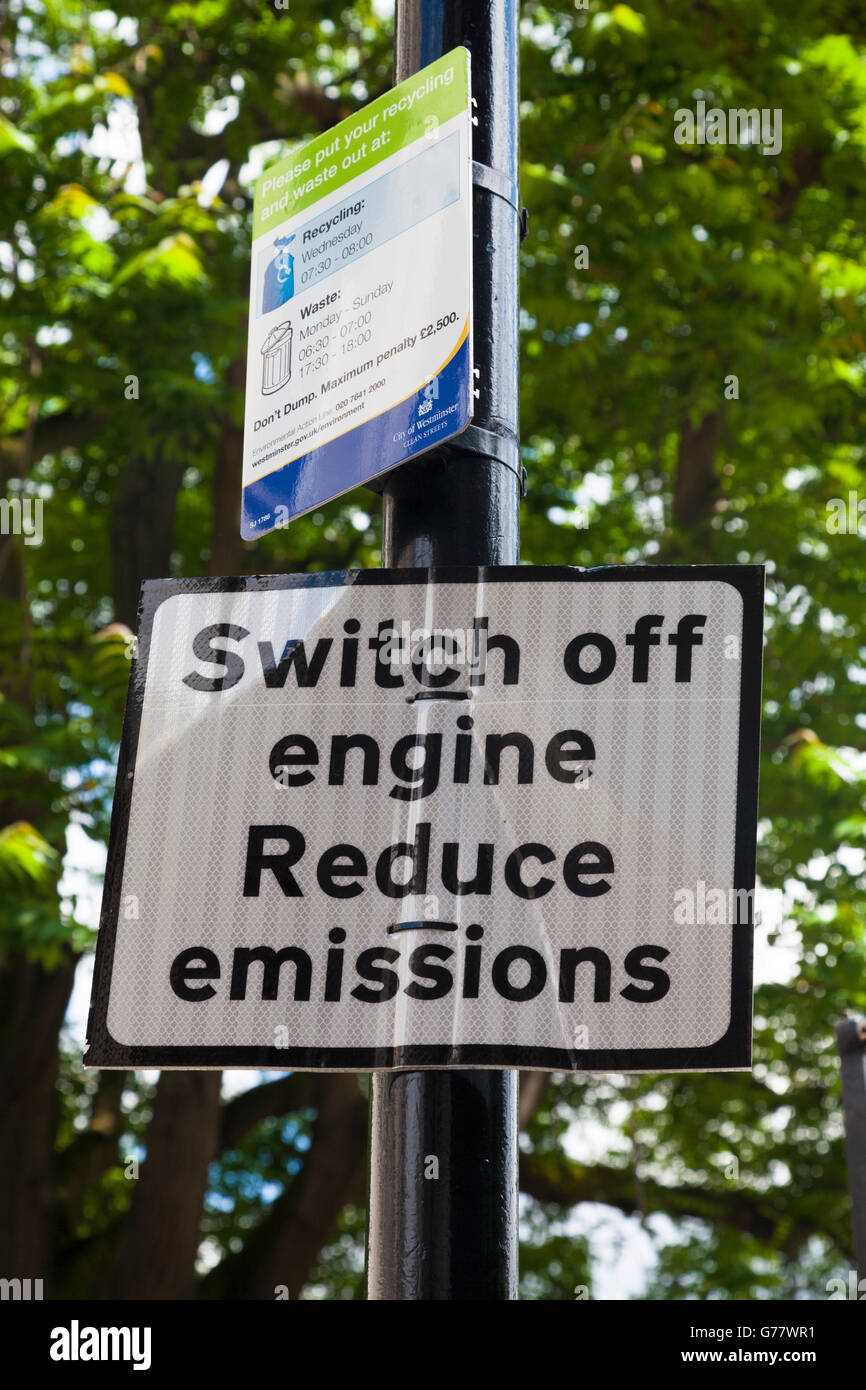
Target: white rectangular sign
[
  {"x": 360, "y": 343},
  {"x": 499, "y": 817}
]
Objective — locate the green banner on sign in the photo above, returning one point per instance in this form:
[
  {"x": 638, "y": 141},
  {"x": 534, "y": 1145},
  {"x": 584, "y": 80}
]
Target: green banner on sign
[{"x": 416, "y": 108}]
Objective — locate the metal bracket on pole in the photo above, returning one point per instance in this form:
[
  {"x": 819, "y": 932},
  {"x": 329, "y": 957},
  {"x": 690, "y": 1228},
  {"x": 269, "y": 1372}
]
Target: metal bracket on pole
[
  {"x": 495, "y": 444},
  {"x": 492, "y": 181},
  {"x": 505, "y": 448}
]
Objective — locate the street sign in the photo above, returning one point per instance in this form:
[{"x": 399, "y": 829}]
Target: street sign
[
  {"x": 501, "y": 817},
  {"x": 360, "y": 343}
]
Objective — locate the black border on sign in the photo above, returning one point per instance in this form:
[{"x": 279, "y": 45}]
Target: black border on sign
[{"x": 731, "y": 1052}]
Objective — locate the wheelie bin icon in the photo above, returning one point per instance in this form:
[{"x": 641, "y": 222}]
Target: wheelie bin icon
[{"x": 277, "y": 358}]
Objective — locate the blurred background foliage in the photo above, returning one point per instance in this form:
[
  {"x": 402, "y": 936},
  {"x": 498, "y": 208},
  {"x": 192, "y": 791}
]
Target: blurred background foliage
[{"x": 692, "y": 391}]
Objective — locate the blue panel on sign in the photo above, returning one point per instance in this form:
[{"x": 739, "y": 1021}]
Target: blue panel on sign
[{"x": 439, "y": 410}]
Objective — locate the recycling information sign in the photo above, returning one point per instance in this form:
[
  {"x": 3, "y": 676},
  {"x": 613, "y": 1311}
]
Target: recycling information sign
[
  {"x": 496, "y": 817},
  {"x": 360, "y": 343}
]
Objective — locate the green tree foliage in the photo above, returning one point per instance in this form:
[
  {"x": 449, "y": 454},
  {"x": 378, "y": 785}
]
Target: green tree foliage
[{"x": 692, "y": 391}]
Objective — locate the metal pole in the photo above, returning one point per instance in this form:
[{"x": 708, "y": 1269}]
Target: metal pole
[
  {"x": 455, "y": 1237},
  {"x": 851, "y": 1039}
]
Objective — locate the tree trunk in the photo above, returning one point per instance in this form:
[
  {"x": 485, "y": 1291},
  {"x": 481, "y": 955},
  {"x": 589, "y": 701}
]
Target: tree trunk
[
  {"x": 284, "y": 1248},
  {"x": 33, "y": 1002},
  {"x": 142, "y": 530},
  {"x": 696, "y": 481},
  {"x": 533, "y": 1085},
  {"x": 157, "y": 1250}
]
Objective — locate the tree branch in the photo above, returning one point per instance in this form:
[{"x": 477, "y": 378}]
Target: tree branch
[
  {"x": 284, "y": 1247},
  {"x": 281, "y": 1097},
  {"x": 49, "y": 436},
  {"x": 696, "y": 482},
  {"x": 767, "y": 1217}
]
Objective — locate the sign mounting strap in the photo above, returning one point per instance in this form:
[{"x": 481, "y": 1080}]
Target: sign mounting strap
[
  {"x": 492, "y": 181},
  {"x": 505, "y": 448}
]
